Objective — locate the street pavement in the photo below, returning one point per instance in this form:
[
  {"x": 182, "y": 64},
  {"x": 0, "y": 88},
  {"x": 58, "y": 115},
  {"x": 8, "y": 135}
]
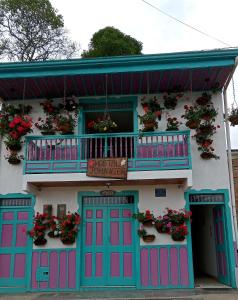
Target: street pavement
[{"x": 194, "y": 294}]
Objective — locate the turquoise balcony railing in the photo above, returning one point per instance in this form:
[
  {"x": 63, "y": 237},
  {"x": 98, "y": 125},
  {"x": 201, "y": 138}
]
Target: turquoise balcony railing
[{"x": 150, "y": 151}]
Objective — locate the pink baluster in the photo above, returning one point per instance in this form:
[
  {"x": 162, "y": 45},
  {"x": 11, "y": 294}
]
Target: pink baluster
[
  {"x": 116, "y": 147},
  {"x": 111, "y": 150},
  {"x": 121, "y": 147},
  {"x": 131, "y": 146},
  {"x": 65, "y": 149},
  {"x": 91, "y": 145},
  {"x": 96, "y": 148},
  {"x": 101, "y": 148},
  {"x": 40, "y": 149}
]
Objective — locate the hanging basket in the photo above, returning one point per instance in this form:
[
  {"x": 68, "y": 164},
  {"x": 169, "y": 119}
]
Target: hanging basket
[
  {"x": 206, "y": 129},
  {"x": 203, "y": 100},
  {"x": 148, "y": 238},
  {"x": 14, "y": 160},
  {"x": 233, "y": 119},
  {"x": 170, "y": 102},
  {"x": 161, "y": 228},
  {"x": 207, "y": 155},
  {"x": 192, "y": 124},
  {"x": 178, "y": 238},
  {"x": 148, "y": 222},
  {"x": 149, "y": 126},
  {"x": 40, "y": 241},
  {"x": 14, "y": 147},
  {"x": 68, "y": 241}
]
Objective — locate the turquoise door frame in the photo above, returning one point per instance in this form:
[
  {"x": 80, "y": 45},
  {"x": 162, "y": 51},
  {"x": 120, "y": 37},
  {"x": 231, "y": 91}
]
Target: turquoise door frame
[
  {"x": 79, "y": 245},
  {"x": 227, "y": 226},
  {"x": 28, "y": 249},
  {"x": 132, "y": 99}
]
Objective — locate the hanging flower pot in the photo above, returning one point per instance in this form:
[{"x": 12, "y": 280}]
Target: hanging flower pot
[
  {"x": 68, "y": 240},
  {"x": 149, "y": 126},
  {"x": 65, "y": 124},
  {"x": 192, "y": 124},
  {"x": 148, "y": 222},
  {"x": 207, "y": 155},
  {"x": 233, "y": 119},
  {"x": 206, "y": 129},
  {"x": 161, "y": 227},
  {"x": 40, "y": 241},
  {"x": 13, "y": 145},
  {"x": 170, "y": 102},
  {"x": 13, "y": 158},
  {"x": 204, "y": 99},
  {"x": 149, "y": 238},
  {"x": 177, "y": 237}
]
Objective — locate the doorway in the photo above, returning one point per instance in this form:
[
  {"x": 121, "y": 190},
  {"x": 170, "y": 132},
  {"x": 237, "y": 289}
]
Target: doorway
[
  {"x": 108, "y": 242},
  {"x": 210, "y": 246}
]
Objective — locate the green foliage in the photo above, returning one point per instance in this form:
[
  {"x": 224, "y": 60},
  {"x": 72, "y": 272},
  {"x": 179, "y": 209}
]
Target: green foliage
[
  {"x": 32, "y": 30},
  {"x": 110, "y": 41}
]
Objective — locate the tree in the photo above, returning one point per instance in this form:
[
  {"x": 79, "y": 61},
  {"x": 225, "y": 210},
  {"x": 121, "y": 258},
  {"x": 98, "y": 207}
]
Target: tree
[
  {"x": 33, "y": 30},
  {"x": 110, "y": 41}
]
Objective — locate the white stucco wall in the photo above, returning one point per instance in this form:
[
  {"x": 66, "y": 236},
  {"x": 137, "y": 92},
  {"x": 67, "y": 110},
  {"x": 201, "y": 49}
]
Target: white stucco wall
[
  {"x": 147, "y": 200},
  {"x": 211, "y": 174}
]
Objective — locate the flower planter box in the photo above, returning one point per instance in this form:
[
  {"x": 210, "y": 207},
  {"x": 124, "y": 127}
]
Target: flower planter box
[
  {"x": 207, "y": 155},
  {"x": 149, "y": 126}
]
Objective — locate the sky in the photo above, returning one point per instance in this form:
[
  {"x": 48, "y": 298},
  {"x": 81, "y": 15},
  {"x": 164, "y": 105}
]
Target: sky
[{"x": 157, "y": 32}]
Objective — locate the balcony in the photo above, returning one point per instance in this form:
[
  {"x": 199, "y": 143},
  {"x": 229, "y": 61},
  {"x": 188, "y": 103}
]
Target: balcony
[{"x": 147, "y": 152}]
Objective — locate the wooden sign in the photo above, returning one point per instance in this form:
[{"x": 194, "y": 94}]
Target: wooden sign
[{"x": 108, "y": 167}]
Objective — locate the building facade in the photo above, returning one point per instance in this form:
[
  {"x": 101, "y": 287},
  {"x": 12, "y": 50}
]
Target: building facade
[{"x": 163, "y": 170}]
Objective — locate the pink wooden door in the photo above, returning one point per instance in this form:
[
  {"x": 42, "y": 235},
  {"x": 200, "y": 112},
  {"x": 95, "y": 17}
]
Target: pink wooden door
[
  {"x": 108, "y": 245},
  {"x": 14, "y": 247}
]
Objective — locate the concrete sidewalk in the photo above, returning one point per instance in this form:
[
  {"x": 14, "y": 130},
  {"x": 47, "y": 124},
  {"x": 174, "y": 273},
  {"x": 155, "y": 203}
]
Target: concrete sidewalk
[{"x": 195, "y": 294}]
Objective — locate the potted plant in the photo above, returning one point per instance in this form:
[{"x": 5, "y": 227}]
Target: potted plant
[
  {"x": 208, "y": 112},
  {"x": 207, "y": 152},
  {"x": 204, "y": 99},
  {"x": 103, "y": 125},
  {"x": 65, "y": 124},
  {"x": 49, "y": 108},
  {"x": 46, "y": 126},
  {"x": 147, "y": 238},
  {"x": 193, "y": 116},
  {"x": 68, "y": 228},
  {"x": 178, "y": 233},
  {"x": 172, "y": 124},
  {"x": 149, "y": 121},
  {"x": 233, "y": 116},
  {"x": 207, "y": 128},
  {"x": 152, "y": 105},
  {"x": 147, "y": 218},
  {"x": 178, "y": 217},
  {"x": 69, "y": 105},
  {"x": 171, "y": 100},
  {"x": 38, "y": 231},
  {"x": 163, "y": 224},
  {"x": 13, "y": 158},
  {"x": 13, "y": 144}
]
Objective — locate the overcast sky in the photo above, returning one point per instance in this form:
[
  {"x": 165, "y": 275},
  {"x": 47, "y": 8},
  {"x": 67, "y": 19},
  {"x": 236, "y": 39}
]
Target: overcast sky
[{"x": 157, "y": 32}]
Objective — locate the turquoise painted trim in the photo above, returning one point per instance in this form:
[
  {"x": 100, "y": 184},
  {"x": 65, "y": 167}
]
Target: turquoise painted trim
[
  {"x": 29, "y": 240},
  {"x": 228, "y": 224},
  {"x": 189, "y": 245},
  {"x": 137, "y": 63}
]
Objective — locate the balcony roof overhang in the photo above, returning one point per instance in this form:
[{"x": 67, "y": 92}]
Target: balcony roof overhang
[{"x": 127, "y": 75}]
